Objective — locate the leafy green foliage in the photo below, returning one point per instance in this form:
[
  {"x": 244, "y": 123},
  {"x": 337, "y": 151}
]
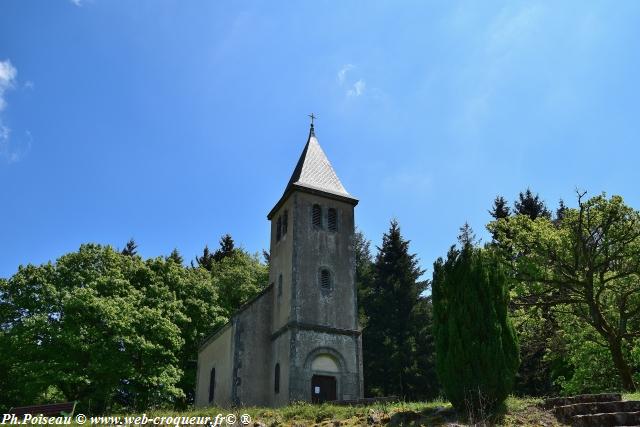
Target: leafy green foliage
[
  {"x": 476, "y": 346},
  {"x": 584, "y": 264},
  {"x": 112, "y": 330}
]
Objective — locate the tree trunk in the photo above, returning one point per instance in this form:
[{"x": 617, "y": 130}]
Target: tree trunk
[{"x": 626, "y": 377}]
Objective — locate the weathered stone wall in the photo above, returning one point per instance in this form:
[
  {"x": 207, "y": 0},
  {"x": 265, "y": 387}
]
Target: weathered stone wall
[
  {"x": 320, "y": 248},
  {"x": 218, "y": 353},
  {"x": 281, "y": 348},
  {"x": 281, "y": 257},
  {"x": 342, "y": 348},
  {"x": 252, "y": 356}
]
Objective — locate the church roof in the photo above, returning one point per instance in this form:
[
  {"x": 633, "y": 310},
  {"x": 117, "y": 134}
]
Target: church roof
[
  {"x": 314, "y": 173},
  {"x": 314, "y": 169}
]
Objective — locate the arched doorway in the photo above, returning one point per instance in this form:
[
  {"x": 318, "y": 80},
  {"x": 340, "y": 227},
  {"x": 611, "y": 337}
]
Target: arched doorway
[{"x": 323, "y": 382}]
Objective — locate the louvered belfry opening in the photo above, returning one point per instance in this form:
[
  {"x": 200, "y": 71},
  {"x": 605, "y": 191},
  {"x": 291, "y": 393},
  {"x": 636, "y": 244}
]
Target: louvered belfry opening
[
  {"x": 332, "y": 217},
  {"x": 285, "y": 222},
  {"x": 325, "y": 279},
  {"x": 279, "y": 229},
  {"x": 316, "y": 216}
]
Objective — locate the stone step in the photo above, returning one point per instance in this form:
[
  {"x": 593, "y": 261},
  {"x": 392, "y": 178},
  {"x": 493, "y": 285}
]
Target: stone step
[
  {"x": 582, "y": 398},
  {"x": 606, "y": 420},
  {"x": 568, "y": 411}
]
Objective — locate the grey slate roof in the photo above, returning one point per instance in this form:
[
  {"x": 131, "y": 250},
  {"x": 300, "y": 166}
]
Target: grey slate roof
[
  {"x": 314, "y": 170},
  {"x": 314, "y": 174}
]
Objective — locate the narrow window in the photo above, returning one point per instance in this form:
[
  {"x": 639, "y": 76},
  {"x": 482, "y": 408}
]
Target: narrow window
[
  {"x": 280, "y": 285},
  {"x": 276, "y": 379},
  {"x": 332, "y": 217},
  {"x": 279, "y": 229},
  {"x": 212, "y": 384},
  {"x": 317, "y": 216},
  {"x": 325, "y": 279},
  {"x": 285, "y": 222}
]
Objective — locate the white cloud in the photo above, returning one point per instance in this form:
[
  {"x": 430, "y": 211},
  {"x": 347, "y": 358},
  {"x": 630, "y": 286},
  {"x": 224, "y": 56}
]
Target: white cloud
[
  {"x": 342, "y": 74},
  {"x": 76, "y": 2},
  {"x": 7, "y": 80},
  {"x": 10, "y": 149},
  {"x": 357, "y": 89}
]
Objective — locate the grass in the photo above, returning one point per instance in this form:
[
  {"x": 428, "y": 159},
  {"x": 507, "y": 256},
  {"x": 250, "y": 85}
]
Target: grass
[
  {"x": 518, "y": 412},
  {"x": 631, "y": 396}
]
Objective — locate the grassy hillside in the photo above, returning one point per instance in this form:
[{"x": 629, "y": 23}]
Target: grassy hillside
[{"x": 519, "y": 412}]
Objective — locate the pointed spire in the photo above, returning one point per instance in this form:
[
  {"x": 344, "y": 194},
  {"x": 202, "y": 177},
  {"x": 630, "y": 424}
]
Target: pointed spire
[{"x": 314, "y": 173}]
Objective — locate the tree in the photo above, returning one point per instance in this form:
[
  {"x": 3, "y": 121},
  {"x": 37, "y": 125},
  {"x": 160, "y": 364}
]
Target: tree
[
  {"x": 206, "y": 260},
  {"x": 500, "y": 208},
  {"x": 531, "y": 205},
  {"x": 227, "y": 248},
  {"x": 96, "y": 326},
  {"x": 587, "y": 265},
  {"x": 364, "y": 273},
  {"x": 562, "y": 208},
  {"x": 130, "y": 248},
  {"x": 467, "y": 236},
  {"x": 476, "y": 346},
  {"x": 238, "y": 278},
  {"x": 391, "y": 305},
  {"x": 109, "y": 330},
  {"x": 176, "y": 257}
]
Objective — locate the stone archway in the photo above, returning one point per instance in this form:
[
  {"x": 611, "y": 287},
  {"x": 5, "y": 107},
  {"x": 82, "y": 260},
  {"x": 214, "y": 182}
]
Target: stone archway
[{"x": 324, "y": 369}]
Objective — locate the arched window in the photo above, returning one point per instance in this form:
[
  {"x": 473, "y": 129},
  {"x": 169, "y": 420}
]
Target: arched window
[
  {"x": 212, "y": 384},
  {"x": 276, "y": 379},
  {"x": 325, "y": 279},
  {"x": 332, "y": 218},
  {"x": 280, "y": 284},
  {"x": 316, "y": 216},
  {"x": 278, "y": 229},
  {"x": 285, "y": 222}
]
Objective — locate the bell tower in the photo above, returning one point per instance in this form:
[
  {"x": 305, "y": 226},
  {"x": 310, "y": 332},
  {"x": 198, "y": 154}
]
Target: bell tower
[{"x": 316, "y": 341}]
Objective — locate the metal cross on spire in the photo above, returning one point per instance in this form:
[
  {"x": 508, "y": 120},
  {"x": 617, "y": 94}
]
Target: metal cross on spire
[{"x": 312, "y": 118}]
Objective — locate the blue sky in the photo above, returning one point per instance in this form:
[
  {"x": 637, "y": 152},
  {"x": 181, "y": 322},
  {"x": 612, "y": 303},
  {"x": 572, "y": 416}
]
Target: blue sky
[{"x": 174, "y": 122}]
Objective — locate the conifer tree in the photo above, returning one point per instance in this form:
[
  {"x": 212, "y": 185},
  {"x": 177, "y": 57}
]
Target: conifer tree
[
  {"x": 476, "y": 347},
  {"x": 227, "y": 248},
  {"x": 176, "y": 257},
  {"x": 531, "y": 205},
  {"x": 560, "y": 212},
  {"x": 206, "y": 260},
  {"x": 390, "y": 305},
  {"x": 130, "y": 249},
  {"x": 500, "y": 208}
]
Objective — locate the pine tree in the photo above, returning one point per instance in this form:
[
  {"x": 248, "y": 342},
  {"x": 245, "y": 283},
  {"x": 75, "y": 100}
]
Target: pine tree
[
  {"x": 390, "y": 307},
  {"x": 467, "y": 236},
  {"x": 500, "y": 208},
  {"x": 227, "y": 248},
  {"x": 130, "y": 248},
  {"x": 531, "y": 206},
  {"x": 476, "y": 347},
  {"x": 176, "y": 257},
  {"x": 206, "y": 260},
  {"x": 560, "y": 212},
  {"x": 267, "y": 257}
]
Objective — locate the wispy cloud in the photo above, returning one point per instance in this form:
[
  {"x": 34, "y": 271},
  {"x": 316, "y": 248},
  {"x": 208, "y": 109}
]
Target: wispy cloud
[
  {"x": 76, "y": 2},
  {"x": 357, "y": 89},
  {"x": 353, "y": 89},
  {"x": 342, "y": 74},
  {"x": 8, "y": 75},
  {"x": 10, "y": 149}
]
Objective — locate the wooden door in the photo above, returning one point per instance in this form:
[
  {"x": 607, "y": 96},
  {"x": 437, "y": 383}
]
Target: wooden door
[{"x": 323, "y": 388}]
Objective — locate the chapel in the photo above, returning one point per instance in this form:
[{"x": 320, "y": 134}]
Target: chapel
[{"x": 299, "y": 339}]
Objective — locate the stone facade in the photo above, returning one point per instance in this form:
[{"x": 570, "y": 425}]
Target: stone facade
[{"x": 299, "y": 339}]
